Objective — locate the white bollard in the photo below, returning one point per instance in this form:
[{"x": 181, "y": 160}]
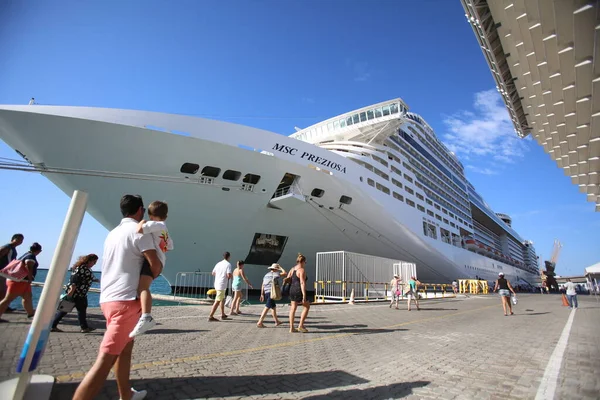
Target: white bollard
[
  {"x": 351, "y": 297},
  {"x": 39, "y": 387}
]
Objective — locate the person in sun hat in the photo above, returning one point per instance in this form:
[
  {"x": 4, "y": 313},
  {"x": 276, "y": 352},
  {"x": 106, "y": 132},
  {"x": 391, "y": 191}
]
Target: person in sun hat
[
  {"x": 504, "y": 289},
  {"x": 395, "y": 289},
  {"x": 274, "y": 275}
]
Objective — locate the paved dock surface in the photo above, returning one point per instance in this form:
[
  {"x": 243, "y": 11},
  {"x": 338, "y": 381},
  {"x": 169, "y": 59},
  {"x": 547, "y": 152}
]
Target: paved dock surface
[{"x": 452, "y": 349}]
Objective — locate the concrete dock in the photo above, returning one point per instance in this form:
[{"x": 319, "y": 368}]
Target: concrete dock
[{"x": 461, "y": 348}]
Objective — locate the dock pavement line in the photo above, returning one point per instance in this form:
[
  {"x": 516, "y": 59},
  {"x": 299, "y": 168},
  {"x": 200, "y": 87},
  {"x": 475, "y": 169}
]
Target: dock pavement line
[
  {"x": 79, "y": 375},
  {"x": 547, "y": 387}
]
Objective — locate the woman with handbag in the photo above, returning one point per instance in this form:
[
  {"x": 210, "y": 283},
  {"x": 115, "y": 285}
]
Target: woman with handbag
[
  {"x": 396, "y": 292},
  {"x": 22, "y": 288},
  {"x": 298, "y": 293},
  {"x": 271, "y": 291},
  {"x": 504, "y": 288},
  {"x": 76, "y": 297}
]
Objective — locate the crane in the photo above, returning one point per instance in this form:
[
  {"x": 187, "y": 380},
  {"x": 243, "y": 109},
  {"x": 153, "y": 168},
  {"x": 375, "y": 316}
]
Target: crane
[{"x": 548, "y": 276}]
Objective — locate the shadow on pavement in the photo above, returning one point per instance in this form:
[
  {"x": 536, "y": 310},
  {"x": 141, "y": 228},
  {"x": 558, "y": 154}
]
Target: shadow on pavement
[
  {"x": 393, "y": 391},
  {"x": 225, "y": 386},
  {"x": 168, "y": 331},
  {"x": 358, "y": 329},
  {"x": 535, "y": 313}
]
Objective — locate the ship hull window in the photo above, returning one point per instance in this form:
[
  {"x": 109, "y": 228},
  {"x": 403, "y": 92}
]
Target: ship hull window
[
  {"x": 317, "y": 192},
  {"x": 189, "y": 168},
  {"x": 212, "y": 172},
  {"x": 231, "y": 175}
]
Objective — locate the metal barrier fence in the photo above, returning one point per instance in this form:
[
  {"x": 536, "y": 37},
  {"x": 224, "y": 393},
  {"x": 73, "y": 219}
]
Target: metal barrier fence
[
  {"x": 338, "y": 273},
  {"x": 377, "y": 291},
  {"x": 197, "y": 284},
  {"x": 473, "y": 286}
]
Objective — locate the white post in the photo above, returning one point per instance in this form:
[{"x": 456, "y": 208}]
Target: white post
[{"x": 40, "y": 327}]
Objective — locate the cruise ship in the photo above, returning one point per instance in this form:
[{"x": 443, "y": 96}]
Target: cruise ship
[{"x": 374, "y": 181}]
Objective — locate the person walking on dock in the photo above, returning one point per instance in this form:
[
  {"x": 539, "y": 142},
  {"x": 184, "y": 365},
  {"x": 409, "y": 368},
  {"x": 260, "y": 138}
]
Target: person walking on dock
[
  {"x": 396, "y": 292},
  {"x": 571, "y": 294},
  {"x": 222, "y": 273},
  {"x": 504, "y": 288},
  {"x": 22, "y": 289},
  {"x": 273, "y": 277},
  {"x": 124, "y": 252},
  {"x": 81, "y": 280},
  {"x": 411, "y": 292},
  {"x": 8, "y": 253},
  {"x": 236, "y": 286},
  {"x": 298, "y": 294}
]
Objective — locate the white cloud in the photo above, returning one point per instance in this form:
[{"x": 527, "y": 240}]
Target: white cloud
[
  {"x": 484, "y": 171},
  {"x": 486, "y": 132},
  {"x": 360, "y": 69}
]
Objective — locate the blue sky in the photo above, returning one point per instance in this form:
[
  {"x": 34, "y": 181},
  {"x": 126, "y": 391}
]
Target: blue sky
[{"x": 276, "y": 65}]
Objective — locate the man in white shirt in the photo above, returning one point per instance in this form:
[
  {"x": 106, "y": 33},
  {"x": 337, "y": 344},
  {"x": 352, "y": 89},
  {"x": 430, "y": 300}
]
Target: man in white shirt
[
  {"x": 124, "y": 252},
  {"x": 222, "y": 273},
  {"x": 571, "y": 294}
]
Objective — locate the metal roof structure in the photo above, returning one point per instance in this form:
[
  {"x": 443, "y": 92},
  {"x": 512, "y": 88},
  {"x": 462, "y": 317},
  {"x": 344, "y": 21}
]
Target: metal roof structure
[{"x": 542, "y": 55}]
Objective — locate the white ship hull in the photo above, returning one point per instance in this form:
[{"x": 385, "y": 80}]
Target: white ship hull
[{"x": 207, "y": 219}]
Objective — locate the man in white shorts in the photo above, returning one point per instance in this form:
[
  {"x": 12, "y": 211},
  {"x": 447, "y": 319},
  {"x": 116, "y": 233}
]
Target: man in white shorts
[{"x": 222, "y": 273}]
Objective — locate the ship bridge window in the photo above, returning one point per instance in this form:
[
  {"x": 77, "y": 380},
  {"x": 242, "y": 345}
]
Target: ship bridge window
[
  {"x": 251, "y": 179},
  {"x": 386, "y": 110},
  {"x": 378, "y": 112},
  {"x": 232, "y": 175},
  {"x": 317, "y": 192},
  {"x": 370, "y": 114},
  {"x": 346, "y": 200},
  {"x": 355, "y": 118},
  {"x": 363, "y": 116},
  {"x": 394, "y": 108},
  {"x": 213, "y": 172},
  {"x": 189, "y": 168}
]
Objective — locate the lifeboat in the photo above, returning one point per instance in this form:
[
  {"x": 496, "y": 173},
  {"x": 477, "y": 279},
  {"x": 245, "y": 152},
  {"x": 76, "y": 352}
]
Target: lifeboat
[{"x": 471, "y": 244}]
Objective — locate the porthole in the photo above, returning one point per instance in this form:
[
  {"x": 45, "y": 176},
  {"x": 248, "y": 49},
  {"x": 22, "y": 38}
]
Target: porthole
[
  {"x": 251, "y": 178},
  {"x": 317, "y": 192},
  {"x": 346, "y": 200},
  {"x": 212, "y": 172},
  {"x": 189, "y": 168},
  {"x": 232, "y": 175},
  {"x": 225, "y": 189},
  {"x": 361, "y": 178}
]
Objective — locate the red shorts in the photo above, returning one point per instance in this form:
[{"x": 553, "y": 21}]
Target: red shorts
[
  {"x": 121, "y": 318},
  {"x": 19, "y": 288}
]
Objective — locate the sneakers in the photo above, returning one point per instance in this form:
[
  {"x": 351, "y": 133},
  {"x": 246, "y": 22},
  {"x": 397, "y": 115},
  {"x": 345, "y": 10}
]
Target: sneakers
[
  {"x": 87, "y": 330},
  {"x": 143, "y": 325},
  {"x": 135, "y": 395}
]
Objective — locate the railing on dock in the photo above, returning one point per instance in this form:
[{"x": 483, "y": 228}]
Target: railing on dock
[
  {"x": 196, "y": 285},
  {"x": 473, "y": 286},
  {"x": 340, "y": 291}
]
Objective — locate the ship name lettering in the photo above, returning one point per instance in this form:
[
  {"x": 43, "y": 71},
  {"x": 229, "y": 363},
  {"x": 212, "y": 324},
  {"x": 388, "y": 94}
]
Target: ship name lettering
[
  {"x": 310, "y": 157},
  {"x": 323, "y": 161},
  {"x": 285, "y": 149}
]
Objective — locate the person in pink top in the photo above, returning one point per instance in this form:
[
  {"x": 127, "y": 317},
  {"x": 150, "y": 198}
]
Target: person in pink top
[{"x": 124, "y": 253}]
